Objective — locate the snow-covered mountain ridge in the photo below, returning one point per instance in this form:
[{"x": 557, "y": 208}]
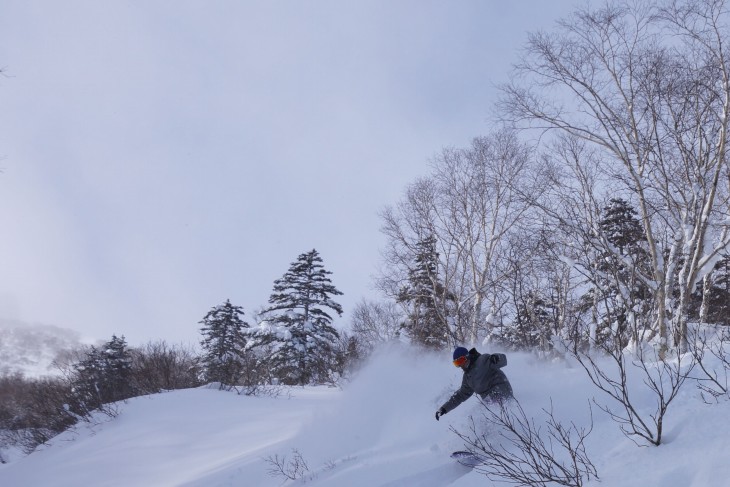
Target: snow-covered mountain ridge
[{"x": 31, "y": 348}]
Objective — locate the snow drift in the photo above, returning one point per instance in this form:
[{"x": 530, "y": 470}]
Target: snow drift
[{"x": 380, "y": 430}]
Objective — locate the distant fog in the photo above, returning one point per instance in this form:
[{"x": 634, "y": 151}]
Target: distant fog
[{"x": 31, "y": 348}]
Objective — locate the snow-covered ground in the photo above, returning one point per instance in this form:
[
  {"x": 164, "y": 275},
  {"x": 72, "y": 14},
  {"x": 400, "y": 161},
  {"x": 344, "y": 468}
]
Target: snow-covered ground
[{"x": 378, "y": 431}]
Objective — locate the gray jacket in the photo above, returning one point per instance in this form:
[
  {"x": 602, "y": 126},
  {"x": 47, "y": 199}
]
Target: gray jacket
[{"x": 483, "y": 376}]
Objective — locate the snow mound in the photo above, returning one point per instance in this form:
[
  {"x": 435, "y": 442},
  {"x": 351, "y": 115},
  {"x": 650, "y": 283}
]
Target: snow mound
[{"x": 379, "y": 430}]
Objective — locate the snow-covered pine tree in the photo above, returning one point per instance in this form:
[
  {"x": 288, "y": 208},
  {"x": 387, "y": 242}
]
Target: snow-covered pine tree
[
  {"x": 622, "y": 297},
  {"x": 300, "y": 332},
  {"x": 118, "y": 361},
  {"x": 422, "y": 295},
  {"x": 104, "y": 375},
  {"x": 534, "y": 324},
  {"x": 621, "y": 227},
  {"x": 224, "y": 344}
]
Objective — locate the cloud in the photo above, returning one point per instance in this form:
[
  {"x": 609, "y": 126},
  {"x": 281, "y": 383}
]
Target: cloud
[{"x": 161, "y": 158}]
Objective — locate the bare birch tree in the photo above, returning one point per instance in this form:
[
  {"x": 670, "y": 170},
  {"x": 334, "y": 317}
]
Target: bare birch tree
[
  {"x": 470, "y": 203},
  {"x": 648, "y": 87},
  {"x": 481, "y": 206},
  {"x": 376, "y": 323}
]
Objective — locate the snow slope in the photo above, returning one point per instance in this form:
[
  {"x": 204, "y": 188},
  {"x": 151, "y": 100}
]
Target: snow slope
[
  {"x": 378, "y": 431},
  {"x": 30, "y": 348}
]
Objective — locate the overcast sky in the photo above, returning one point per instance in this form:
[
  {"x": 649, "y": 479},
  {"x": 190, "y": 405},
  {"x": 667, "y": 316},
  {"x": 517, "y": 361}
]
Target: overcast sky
[{"x": 160, "y": 157}]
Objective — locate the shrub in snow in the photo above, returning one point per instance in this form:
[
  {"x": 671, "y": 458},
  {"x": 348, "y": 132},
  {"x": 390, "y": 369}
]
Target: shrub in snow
[{"x": 519, "y": 451}]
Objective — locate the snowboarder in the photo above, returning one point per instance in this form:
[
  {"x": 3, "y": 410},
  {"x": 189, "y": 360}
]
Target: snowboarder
[{"x": 482, "y": 375}]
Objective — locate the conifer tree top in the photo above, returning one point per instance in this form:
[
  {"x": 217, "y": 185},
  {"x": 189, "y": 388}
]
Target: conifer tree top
[{"x": 305, "y": 287}]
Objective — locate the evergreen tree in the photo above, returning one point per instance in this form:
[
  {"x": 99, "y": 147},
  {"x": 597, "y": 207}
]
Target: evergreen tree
[
  {"x": 118, "y": 362},
  {"x": 621, "y": 227},
  {"x": 104, "y": 375},
  {"x": 534, "y": 325},
  {"x": 301, "y": 336},
  {"x": 425, "y": 324},
  {"x": 719, "y": 294},
  {"x": 224, "y": 344},
  {"x": 713, "y": 293},
  {"x": 622, "y": 300}
]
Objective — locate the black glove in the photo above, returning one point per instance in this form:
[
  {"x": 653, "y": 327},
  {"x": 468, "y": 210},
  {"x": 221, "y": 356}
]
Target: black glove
[
  {"x": 440, "y": 413},
  {"x": 494, "y": 358}
]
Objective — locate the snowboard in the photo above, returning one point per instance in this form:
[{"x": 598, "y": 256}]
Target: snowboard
[{"x": 466, "y": 458}]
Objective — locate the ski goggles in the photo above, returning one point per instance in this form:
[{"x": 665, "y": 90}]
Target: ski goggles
[{"x": 461, "y": 361}]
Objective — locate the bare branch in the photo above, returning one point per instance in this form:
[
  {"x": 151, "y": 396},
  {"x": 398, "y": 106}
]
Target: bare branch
[{"x": 526, "y": 454}]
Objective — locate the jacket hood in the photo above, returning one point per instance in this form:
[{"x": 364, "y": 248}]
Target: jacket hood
[{"x": 473, "y": 355}]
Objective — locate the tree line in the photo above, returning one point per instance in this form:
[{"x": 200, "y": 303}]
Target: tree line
[
  {"x": 596, "y": 210},
  {"x": 91, "y": 380},
  {"x": 293, "y": 343}
]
